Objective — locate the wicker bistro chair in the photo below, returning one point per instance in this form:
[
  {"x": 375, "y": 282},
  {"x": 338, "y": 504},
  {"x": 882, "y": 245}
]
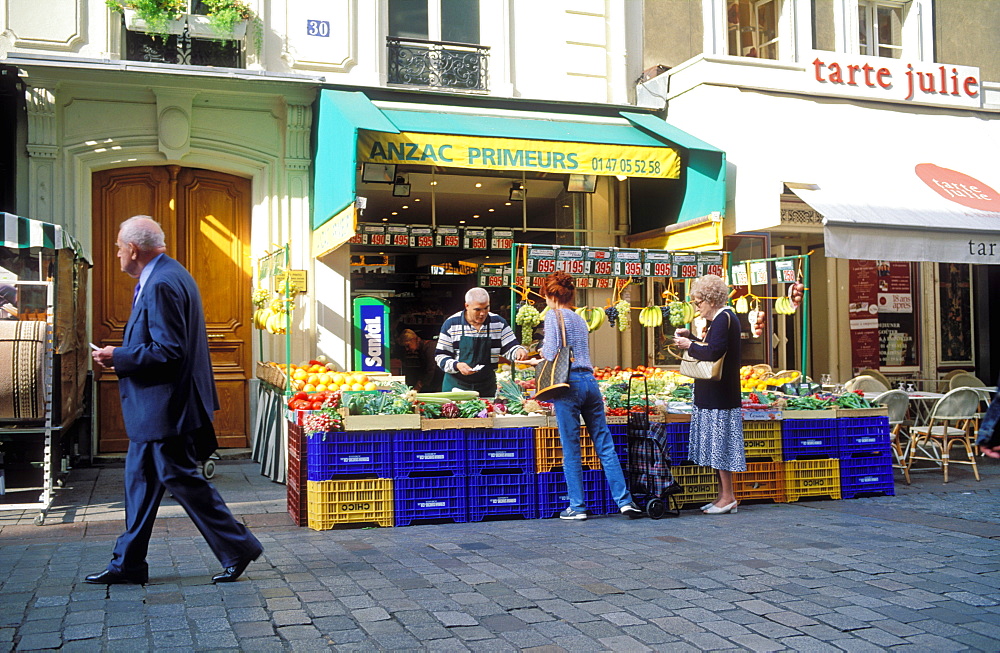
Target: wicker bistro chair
[
  {"x": 898, "y": 403},
  {"x": 952, "y": 421},
  {"x": 965, "y": 380},
  {"x": 878, "y": 376},
  {"x": 865, "y": 383}
]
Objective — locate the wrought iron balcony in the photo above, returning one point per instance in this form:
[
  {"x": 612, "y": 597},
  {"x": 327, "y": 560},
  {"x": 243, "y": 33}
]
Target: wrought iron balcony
[{"x": 438, "y": 64}]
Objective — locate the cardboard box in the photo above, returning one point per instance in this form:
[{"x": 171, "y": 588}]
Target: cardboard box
[
  {"x": 409, "y": 421},
  {"x": 518, "y": 421}
]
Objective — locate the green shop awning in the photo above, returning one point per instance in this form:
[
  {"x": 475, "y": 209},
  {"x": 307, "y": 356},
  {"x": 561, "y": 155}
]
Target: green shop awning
[
  {"x": 633, "y": 144},
  {"x": 25, "y": 233}
]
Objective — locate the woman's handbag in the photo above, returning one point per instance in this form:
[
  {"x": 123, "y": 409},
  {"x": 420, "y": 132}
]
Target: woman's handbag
[
  {"x": 704, "y": 370},
  {"x": 552, "y": 376}
]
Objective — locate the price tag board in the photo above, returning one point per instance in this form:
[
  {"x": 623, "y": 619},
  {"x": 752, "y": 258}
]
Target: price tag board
[
  {"x": 398, "y": 235},
  {"x": 571, "y": 261},
  {"x": 657, "y": 263},
  {"x": 599, "y": 262},
  {"x": 373, "y": 234},
  {"x": 604, "y": 282},
  {"x": 542, "y": 260},
  {"x": 685, "y": 266},
  {"x": 447, "y": 237},
  {"x": 758, "y": 273},
  {"x": 421, "y": 236},
  {"x": 356, "y": 239},
  {"x": 494, "y": 276},
  {"x": 739, "y": 274},
  {"x": 710, "y": 263},
  {"x": 785, "y": 271},
  {"x": 584, "y": 282},
  {"x": 501, "y": 238},
  {"x": 628, "y": 262},
  {"x": 476, "y": 238}
]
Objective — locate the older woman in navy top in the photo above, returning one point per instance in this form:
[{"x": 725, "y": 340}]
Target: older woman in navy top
[
  {"x": 716, "y": 419},
  {"x": 582, "y": 398}
]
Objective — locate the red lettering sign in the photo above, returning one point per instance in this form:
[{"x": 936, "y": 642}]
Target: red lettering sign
[{"x": 959, "y": 187}]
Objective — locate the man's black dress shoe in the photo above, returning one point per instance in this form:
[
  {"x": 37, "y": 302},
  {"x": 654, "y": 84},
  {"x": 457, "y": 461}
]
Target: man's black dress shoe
[
  {"x": 108, "y": 577},
  {"x": 230, "y": 574}
]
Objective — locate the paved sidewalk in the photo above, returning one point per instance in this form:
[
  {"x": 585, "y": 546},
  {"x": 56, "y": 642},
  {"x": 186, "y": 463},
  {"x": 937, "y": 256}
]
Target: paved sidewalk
[{"x": 918, "y": 571}]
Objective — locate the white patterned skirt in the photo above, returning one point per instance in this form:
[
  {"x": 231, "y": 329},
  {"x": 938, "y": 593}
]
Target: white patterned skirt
[{"x": 717, "y": 438}]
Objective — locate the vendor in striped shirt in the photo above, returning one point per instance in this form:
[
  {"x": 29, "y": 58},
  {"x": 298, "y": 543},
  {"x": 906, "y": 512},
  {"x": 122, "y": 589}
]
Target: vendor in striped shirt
[{"x": 471, "y": 344}]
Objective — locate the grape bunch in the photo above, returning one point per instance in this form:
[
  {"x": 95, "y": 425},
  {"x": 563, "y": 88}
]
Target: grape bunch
[
  {"x": 612, "y": 313},
  {"x": 624, "y": 314},
  {"x": 528, "y": 317}
]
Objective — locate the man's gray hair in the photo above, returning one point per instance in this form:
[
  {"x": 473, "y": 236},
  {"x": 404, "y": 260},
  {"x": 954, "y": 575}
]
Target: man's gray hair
[
  {"x": 477, "y": 295},
  {"x": 144, "y": 232}
]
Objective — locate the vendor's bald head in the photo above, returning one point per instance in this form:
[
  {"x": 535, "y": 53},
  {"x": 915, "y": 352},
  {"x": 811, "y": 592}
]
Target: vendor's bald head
[
  {"x": 140, "y": 240},
  {"x": 477, "y": 306}
]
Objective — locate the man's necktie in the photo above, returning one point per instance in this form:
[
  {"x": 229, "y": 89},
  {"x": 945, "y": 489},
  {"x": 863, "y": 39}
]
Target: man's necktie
[{"x": 135, "y": 295}]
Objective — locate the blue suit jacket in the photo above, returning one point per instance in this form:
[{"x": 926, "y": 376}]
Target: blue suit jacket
[{"x": 163, "y": 366}]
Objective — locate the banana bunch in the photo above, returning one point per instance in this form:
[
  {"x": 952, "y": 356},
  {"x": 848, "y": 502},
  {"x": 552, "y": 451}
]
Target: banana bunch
[
  {"x": 680, "y": 313},
  {"x": 271, "y": 318},
  {"x": 624, "y": 316},
  {"x": 742, "y": 305},
  {"x": 594, "y": 317},
  {"x": 783, "y": 305},
  {"x": 528, "y": 317},
  {"x": 651, "y": 316}
]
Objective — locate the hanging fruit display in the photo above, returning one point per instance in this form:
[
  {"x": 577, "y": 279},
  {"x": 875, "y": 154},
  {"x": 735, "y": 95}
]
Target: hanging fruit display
[
  {"x": 528, "y": 317},
  {"x": 594, "y": 317}
]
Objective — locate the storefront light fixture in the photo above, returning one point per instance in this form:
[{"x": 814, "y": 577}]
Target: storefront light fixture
[
  {"x": 479, "y": 185},
  {"x": 401, "y": 188},
  {"x": 476, "y": 216},
  {"x": 378, "y": 173},
  {"x": 517, "y": 192},
  {"x": 581, "y": 183},
  {"x": 395, "y": 213},
  {"x": 491, "y": 210},
  {"x": 461, "y": 222},
  {"x": 506, "y": 203}
]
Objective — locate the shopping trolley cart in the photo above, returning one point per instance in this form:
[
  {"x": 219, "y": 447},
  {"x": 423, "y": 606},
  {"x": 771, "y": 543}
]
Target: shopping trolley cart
[{"x": 647, "y": 470}]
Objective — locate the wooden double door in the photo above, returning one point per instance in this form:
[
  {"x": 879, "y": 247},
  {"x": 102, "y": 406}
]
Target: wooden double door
[{"x": 206, "y": 219}]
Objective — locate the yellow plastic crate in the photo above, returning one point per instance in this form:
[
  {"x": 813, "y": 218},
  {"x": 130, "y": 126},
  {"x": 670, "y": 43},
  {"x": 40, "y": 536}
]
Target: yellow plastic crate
[
  {"x": 548, "y": 450},
  {"x": 760, "y": 481},
  {"x": 701, "y": 484},
  {"x": 351, "y": 501},
  {"x": 762, "y": 439},
  {"x": 812, "y": 478}
]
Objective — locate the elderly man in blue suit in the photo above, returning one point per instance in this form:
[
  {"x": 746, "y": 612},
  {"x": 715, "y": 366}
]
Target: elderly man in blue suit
[{"x": 168, "y": 402}]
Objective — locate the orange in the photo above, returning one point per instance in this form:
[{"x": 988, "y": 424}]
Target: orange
[
  {"x": 345, "y": 387},
  {"x": 371, "y": 386},
  {"x": 309, "y": 388},
  {"x": 357, "y": 387},
  {"x": 313, "y": 379},
  {"x": 325, "y": 379},
  {"x": 299, "y": 375}
]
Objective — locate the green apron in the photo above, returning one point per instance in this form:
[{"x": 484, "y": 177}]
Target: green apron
[{"x": 474, "y": 351}]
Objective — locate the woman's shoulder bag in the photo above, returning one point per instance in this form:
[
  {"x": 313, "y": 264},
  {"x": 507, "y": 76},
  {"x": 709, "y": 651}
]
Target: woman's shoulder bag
[
  {"x": 552, "y": 376},
  {"x": 704, "y": 370}
]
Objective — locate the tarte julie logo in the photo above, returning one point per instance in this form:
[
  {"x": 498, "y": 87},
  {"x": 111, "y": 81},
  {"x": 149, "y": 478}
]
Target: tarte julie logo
[{"x": 959, "y": 187}]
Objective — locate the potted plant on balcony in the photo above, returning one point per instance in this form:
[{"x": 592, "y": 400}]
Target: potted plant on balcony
[
  {"x": 159, "y": 17},
  {"x": 228, "y": 19}
]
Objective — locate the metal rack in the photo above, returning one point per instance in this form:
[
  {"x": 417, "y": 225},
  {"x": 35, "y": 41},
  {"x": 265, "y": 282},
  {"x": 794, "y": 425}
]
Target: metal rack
[{"x": 13, "y": 432}]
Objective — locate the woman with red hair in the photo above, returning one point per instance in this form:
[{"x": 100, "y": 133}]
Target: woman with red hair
[{"x": 582, "y": 398}]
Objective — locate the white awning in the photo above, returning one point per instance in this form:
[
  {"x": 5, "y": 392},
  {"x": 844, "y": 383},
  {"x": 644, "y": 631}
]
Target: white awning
[{"x": 916, "y": 202}]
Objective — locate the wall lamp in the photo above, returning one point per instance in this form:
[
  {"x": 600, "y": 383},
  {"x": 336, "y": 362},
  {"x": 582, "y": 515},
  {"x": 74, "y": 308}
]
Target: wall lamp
[{"x": 517, "y": 192}]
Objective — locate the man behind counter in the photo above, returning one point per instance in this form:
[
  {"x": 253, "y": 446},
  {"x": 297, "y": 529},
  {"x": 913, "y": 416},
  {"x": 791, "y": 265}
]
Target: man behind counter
[
  {"x": 423, "y": 374},
  {"x": 471, "y": 344}
]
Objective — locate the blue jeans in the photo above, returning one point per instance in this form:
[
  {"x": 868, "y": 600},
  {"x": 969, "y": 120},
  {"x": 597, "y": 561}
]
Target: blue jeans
[{"x": 583, "y": 397}]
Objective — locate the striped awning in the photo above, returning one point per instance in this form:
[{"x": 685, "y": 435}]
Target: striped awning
[{"x": 25, "y": 233}]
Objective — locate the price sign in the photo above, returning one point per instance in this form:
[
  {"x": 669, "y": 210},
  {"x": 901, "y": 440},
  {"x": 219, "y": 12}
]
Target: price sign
[
  {"x": 685, "y": 266},
  {"x": 628, "y": 262},
  {"x": 599, "y": 262},
  {"x": 758, "y": 273},
  {"x": 475, "y": 238},
  {"x": 570, "y": 260},
  {"x": 501, "y": 239},
  {"x": 447, "y": 237},
  {"x": 421, "y": 237},
  {"x": 541, "y": 260},
  {"x": 398, "y": 235},
  {"x": 584, "y": 282},
  {"x": 739, "y": 274},
  {"x": 657, "y": 263},
  {"x": 785, "y": 271},
  {"x": 356, "y": 239},
  {"x": 493, "y": 276},
  {"x": 604, "y": 282},
  {"x": 373, "y": 234},
  {"x": 710, "y": 263}
]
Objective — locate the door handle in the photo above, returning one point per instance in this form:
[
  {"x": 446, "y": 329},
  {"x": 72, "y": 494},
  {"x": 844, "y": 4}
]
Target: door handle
[{"x": 216, "y": 335}]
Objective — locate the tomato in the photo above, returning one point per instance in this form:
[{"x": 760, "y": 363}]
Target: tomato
[
  {"x": 300, "y": 395},
  {"x": 300, "y": 404},
  {"x": 316, "y": 405}
]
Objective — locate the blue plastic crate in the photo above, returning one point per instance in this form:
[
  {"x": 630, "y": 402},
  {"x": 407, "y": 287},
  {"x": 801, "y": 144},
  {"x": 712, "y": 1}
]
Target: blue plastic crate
[
  {"x": 435, "y": 497},
  {"x": 416, "y": 453},
  {"x": 619, "y": 435},
  {"x": 679, "y": 442},
  {"x": 339, "y": 454},
  {"x": 809, "y": 438},
  {"x": 866, "y": 475},
  {"x": 863, "y": 435},
  {"x": 552, "y": 496},
  {"x": 507, "y": 449},
  {"x": 496, "y": 495}
]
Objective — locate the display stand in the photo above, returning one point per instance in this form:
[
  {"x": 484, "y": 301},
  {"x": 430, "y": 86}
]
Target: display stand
[
  {"x": 22, "y": 433},
  {"x": 269, "y": 441}
]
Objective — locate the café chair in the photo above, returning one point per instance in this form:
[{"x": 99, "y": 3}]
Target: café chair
[
  {"x": 878, "y": 376},
  {"x": 965, "y": 380},
  {"x": 952, "y": 422},
  {"x": 898, "y": 403},
  {"x": 865, "y": 383}
]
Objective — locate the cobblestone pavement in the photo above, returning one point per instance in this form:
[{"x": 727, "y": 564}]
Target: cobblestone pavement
[{"x": 918, "y": 571}]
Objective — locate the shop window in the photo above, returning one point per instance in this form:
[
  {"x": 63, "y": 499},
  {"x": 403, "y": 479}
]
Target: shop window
[
  {"x": 880, "y": 28},
  {"x": 435, "y": 43},
  {"x": 190, "y": 40},
  {"x": 753, "y": 28}
]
